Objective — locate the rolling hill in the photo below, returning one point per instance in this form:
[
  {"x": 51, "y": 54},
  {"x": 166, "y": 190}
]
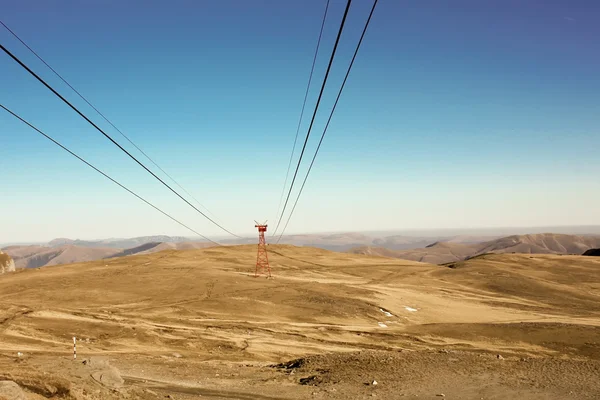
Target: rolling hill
[
  {"x": 445, "y": 252},
  {"x": 437, "y": 253},
  {"x": 154, "y": 247},
  {"x": 197, "y": 324},
  {"x": 118, "y": 243},
  {"x": 40, "y": 256},
  {"x": 546, "y": 243},
  {"x": 442, "y": 250}
]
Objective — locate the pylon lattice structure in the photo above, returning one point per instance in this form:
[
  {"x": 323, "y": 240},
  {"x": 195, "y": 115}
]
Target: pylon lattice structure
[{"x": 262, "y": 259}]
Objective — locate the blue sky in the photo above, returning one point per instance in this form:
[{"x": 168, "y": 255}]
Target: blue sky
[{"x": 474, "y": 114}]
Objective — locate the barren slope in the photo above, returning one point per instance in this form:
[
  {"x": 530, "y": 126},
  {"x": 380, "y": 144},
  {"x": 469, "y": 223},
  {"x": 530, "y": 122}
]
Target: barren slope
[
  {"x": 37, "y": 256},
  {"x": 445, "y": 252},
  {"x": 542, "y": 243},
  {"x": 437, "y": 253},
  {"x": 178, "y": 246},
  {"x": 196, "y": 323}
]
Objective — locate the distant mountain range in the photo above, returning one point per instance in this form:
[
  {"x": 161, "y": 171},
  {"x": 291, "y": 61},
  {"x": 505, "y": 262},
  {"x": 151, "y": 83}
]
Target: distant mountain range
[
  {"x": 38, "y": 256},
  {"x": 436, "y": 250},
  {"x": 118, "y": 243},
  {"x": 346, "y": 241},
  {"x": 447, "y": 251}
]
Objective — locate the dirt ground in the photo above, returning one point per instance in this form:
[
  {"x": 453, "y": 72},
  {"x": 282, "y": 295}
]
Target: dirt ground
[{"x": 197, "y": 324}]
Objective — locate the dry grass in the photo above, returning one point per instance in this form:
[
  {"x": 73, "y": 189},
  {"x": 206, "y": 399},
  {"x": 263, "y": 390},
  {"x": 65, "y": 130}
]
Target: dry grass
[
  {"x": 446, "y": 252},
  {"x": 171, "y": 321}
]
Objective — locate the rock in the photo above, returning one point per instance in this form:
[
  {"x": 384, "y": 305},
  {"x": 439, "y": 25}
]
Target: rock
[
  {"x": 592, "y": 252},
  {"x": 441, "y": 395},
  {"x": 11, "y": 391},
  {"x": 499, "y": 357},
  {"x": 98, "y": 362},
  {"x": 7, "y": 264},
  {"x": 109, "y": 377},
  {"x": 177, "y": 355},
  {"x": 374, "y": 383},
  {"x": 50, "y": 389}
]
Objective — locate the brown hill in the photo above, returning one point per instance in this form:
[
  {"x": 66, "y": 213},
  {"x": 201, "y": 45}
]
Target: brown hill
[
  {"x": 178, "y": 246},
  {"x": 445, "y": 252},
  {"x": 197, "y": 324},
  {"x": 437, "y": 253},
  {"x": 17, "y": 252},
  {"x": 149, "y": 248},
  {"x": 401, "y": 242},
  {"x": 38, "y": 256},
  {"x": 333, "y": 241},
  {"x": 117, "y": 243},
  {"x": 543, "y": 243},
  {"x": 456, "y": 249},
  {"x": 347, "y": 241}
]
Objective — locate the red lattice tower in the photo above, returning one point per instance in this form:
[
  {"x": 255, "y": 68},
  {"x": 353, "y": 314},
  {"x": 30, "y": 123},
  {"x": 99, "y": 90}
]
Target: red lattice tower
[{"x": 262, "y": 259}]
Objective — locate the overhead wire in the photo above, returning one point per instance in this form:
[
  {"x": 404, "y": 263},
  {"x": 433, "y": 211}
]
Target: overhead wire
[
  {"x": 329, "y": 119},
  {"x": 106, "y": 175},
  {"x": 312, "y": 69},
  {"x": 104, "y": 117},
  {"x": 111, "y": 139},
  {"x": 337, "y": 40}
]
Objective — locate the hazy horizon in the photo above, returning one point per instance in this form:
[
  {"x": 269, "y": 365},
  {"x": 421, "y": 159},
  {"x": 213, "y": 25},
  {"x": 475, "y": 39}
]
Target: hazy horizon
[{"x": 425, "y": 233}]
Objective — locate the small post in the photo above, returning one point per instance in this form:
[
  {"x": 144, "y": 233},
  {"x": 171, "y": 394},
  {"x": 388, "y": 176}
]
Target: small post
[{"x": 74, "y": 348}]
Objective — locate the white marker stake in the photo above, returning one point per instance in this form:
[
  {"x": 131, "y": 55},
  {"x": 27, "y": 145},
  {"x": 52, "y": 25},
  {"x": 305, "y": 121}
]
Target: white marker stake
[{"x": 74, "y": 348}]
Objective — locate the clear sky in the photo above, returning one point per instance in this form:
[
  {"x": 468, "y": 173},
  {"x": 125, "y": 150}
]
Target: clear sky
[{"x": 457, "y": 114}]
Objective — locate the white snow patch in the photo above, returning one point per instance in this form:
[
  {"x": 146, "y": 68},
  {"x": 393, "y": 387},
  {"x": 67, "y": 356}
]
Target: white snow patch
[
  {"x": 410, "y": 309},
  {"x": 381, "y": 324},
  {"x": 387, "y": 313}
]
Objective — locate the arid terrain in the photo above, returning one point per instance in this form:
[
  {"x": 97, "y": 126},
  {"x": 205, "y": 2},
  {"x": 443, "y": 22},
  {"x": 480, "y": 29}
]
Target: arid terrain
[
  {"x": 34, "y": 256},
  {"x": 434, "y": 250},
  {"x": 442, "y": 252},
  {"x": 197, "y": 324},
  {"x": 65, "y": 251}
]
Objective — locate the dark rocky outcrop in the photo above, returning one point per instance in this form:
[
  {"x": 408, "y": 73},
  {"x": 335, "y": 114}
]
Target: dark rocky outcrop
[{"x": 592, "y": 252}]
